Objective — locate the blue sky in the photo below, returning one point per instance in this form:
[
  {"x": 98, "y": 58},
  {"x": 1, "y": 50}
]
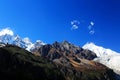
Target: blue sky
[{"x": 50, "y": 20}]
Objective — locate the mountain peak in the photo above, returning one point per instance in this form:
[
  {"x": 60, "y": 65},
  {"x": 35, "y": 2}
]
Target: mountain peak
[
  {"x": 99, "y": 50},
  {"x": 65, "y": 49},
  {"x": 7, "y": 36},
  {"x": 105, "y": 56},
  {"x": 66, "y": 46},
  {"x": 65, "y": 42},
  {"x": 90, "y": 44},
  {"x": 39, "y": 42}
]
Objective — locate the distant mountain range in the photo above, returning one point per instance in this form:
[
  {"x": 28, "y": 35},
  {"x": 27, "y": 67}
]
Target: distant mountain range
[
  {"x": 70, "y": 56},
  {"x": 21, "y": 42}
]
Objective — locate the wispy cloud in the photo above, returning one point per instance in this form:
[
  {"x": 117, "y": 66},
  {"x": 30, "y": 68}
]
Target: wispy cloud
[
  {"x": 75, "y": 24},
  {"x": 7, "y": 31},
  {"x": 91, "y": 32},
  {"x": 74, "y": 27},
  {"x": 91, "y": 28},
  {"x": 91, "y": 25}
]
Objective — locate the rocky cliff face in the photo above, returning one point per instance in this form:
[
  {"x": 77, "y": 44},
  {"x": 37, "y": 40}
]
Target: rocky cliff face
[
  {"x": 65, "y": 49},
  {"x": 74, "y": 62}
]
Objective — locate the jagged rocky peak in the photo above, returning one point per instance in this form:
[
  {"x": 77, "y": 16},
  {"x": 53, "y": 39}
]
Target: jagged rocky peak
[
  {"x": 67, "y": 46},
  {"x": 39, "y": 43},
  {"x": 17, "y": 40},
  {"x": 60, "y": 49},
  {"x": 21, "y": 42},
  {"x": 6, "y": 38},
  {"x": 35, "y": 46}
]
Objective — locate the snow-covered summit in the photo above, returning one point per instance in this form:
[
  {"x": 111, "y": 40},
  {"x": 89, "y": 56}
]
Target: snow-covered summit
[
  {"x": 99, "y": 50},
  {"x": 7, "y": 36},
  {"x": 107, "y": 57},
  {"x": 28, "y": 43},
  {"x": 37, "y": 45}
]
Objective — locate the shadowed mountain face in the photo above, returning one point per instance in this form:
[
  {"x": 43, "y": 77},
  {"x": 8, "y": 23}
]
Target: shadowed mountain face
[
  {"x": 60, "y": 61},
  {"x": 19, "y": 64},
  {"x": 65, "y": 49}
]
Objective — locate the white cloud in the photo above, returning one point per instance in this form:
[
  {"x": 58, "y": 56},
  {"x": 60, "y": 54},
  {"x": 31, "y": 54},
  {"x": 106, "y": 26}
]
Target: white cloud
[
  {"x": 6, "y": 31},
  {"x": 91, "y": 28},
  {"x": 92, "y": 23},
  {"x": 74, "y": 27},
  {"x": 92, "y": 32},
  {"x": 75, "y": 24}
]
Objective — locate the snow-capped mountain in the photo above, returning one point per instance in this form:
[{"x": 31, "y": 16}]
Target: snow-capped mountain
[
  {"x": 36, "y": 45},
  {"x": 28, "y": 43},
  {"x": 7, "y": 36},
  {"x": 105, "y": 56},
  {"x": 99, "y": 50},
  {"x": 19, "y": 41}
]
